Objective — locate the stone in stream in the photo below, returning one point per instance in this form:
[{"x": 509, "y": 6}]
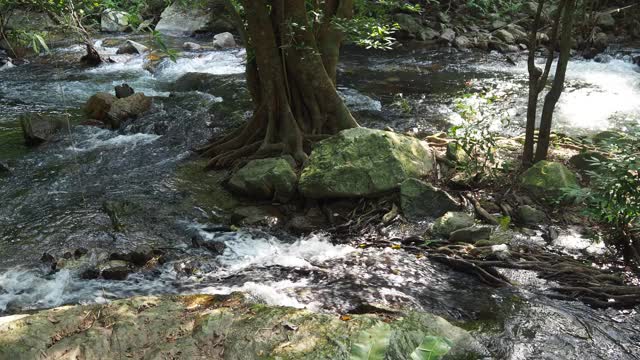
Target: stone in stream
[
  {"x": 269, "y": 179},
  {"x": 123, "y": 91},
  {"x": 450, "y": 222},
  {"x": 191, "y": 46},
  {"x": 420, "y": 200},
  {"x": 217, "y": 327},
  {"x": 363, "y": 162},
  {"x": 37, "y": 128},
  {"x": 115, "y": 270},
  {"x": 114, "y": 21},
  {"x": 4, "y": 169},
  {"x": 132, "y": 47},
  {"x": 113, "y": 111},
  {"x": 224, "y": 40},
  {"x": 548, "y": 180}
]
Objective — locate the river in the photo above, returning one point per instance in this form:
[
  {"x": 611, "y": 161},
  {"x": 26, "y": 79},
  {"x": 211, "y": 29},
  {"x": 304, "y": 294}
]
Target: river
[{"x": 54, "y": 200}]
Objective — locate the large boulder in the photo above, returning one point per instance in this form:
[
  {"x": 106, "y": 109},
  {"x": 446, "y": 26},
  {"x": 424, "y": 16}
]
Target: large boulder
[
  {"x": 450, "y": 222},
  {"x": 114, "y": 21},
  {"x": 547, "y": 180},
  {"x": 223, "y": 327},
  {"x": 410, "y": 26},
  {"x": 363, "y": 162},
  {"x": 37, "y": 129},
  {"x": 270, "y": 179},
  {"x": 420, "y": 200},
  {"x": 179, "y": 19},
  {"x": 224, "y": 40},
  {"x": 113, "y": 111},
  {"x": 505, "y": 36},
  {"x": 606, "y": 21}
]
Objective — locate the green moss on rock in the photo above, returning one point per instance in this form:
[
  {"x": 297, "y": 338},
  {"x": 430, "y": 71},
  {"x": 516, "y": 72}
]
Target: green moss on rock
[
  {"x": 272, "y": 178},
  {"x": 546, "y": 180},
  {"x": 363, "y": 162}
]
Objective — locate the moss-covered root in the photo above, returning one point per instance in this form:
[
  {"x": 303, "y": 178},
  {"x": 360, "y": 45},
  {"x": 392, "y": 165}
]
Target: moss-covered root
[{"x": 208, "y": 327}]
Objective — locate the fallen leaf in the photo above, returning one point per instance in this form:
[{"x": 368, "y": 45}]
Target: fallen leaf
[{"x": 345, "y": 317}]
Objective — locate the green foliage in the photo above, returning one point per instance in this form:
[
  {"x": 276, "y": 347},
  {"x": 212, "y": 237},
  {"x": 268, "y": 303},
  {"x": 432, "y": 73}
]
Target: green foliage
[
  {"x": 402, "y": 103},
  {"x": 371, "y": 344},
  {"x": 500, "y": 7},
  {"x": 475, "y": 138},
  {"x": 30, "y": 39},
  {"x": 431, "y": 348},
  {"x": 162, "y": 47}
]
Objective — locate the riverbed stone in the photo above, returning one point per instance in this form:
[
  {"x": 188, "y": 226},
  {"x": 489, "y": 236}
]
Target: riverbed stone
[
  {"x": 130, "y": 107},
  {"x": 191, "y": 46},
  {"x": 37, "y": 128},
  {"x": 471, "y": 234},
  {"x": 547, "y": 180},
  {"x": 448, "y": 35},
  {"x": 131, "y": 47},
  {"x": 462, "y": 42},
  {"x": 364, "y": 162},
  {"x": 450, "y": 222},
  {"x": 216, "y": 327},
  {"x": 188, "y": 19},
  {"x": 529, "y": 215},
  {"x": 420, "y": 200},
  {"x": 114, "y": 21},
  {"x": 115, "y": 270},
  {"x": 97, "y": 107},
  {"x": 224, "y": 40},
  {"x": 270, "y": 179}
]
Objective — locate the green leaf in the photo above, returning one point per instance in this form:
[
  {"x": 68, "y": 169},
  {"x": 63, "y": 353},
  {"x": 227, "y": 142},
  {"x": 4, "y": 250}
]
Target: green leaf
[
  {"x": 43, "y": 43},
  {"x": 432, "y": 348},
  {"x": 371, "y": 344}
]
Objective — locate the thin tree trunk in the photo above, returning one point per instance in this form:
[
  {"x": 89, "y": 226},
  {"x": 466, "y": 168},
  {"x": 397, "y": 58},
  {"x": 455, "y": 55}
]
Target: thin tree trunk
[{"x": 551, "y": 99}]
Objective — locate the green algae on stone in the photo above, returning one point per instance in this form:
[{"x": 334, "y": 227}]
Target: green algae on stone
[
  {"x": 364, "y": 162},
  {"x": 547, "y": 180},
  {"x": 272, "y": 178},
  {"x": 214, "y": 327}
]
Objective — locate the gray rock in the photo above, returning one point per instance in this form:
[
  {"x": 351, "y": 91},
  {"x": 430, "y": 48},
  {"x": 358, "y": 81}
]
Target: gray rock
[
  {"x": 224, "y": 40},
  {"x": 4, "y": 169},
  {"x": 178, "y": 19},
  {"x": 448, "y": 35},
  {"x": 269, "y": 179},
  {"x": 503, "y": 47},
  {"x": 443, "y": 18},
  {"x": 420, "y": 200},
  {"x": 600, "y": 41},
  {"x": 606, "y": 21},
  {"x": 505, "y": 36},
  {"x": 528, "y": 215},
  {"x": 128, "y": 108},
  {"x": 462, "y": 42},
  {"x": 114, "y": 21},
  {"x": 123, "y": 91},
  {"x": 132, "y": 47},
  {"x": 428, "y": 33},
  {"x": 115, "y": 270},
  {"x": 37, "y": 128},
  {"x": 450, "y": 222},
  {"x": 364, "y": 162},
  {"x": 498, "y": 24},
  {"x": 471, "y": 234},
  {"x": 410, "y": 26},
  {"x": 191, "y": 46}
]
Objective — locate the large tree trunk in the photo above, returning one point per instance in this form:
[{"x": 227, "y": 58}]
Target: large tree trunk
[{"x": 291, "y": 78}]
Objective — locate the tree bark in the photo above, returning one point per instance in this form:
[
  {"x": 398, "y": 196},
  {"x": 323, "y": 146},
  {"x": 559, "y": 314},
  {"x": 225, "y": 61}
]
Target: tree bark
[{"x": 291, "y": 78}]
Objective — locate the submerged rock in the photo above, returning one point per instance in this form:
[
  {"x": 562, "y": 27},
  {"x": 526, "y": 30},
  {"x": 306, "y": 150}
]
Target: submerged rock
[
  {"x": 217, "y": 327},
  {"x": 114, "y": 21},
  {"x": 450, "y": 222},
  {"x": 364, "y": 162},
  {"x": 270, "y": 179},
  {"x": 37, "y": 128},
  {"x": 420, "y": 200},
  {"x": 547, "y": 180},
  {"x": 224, "y": 40}
]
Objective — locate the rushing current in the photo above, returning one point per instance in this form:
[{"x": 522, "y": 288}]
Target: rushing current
[{"x": 54, "y": 200}]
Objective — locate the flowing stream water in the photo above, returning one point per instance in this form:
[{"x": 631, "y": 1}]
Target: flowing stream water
[{"x": 54, "y": 199}]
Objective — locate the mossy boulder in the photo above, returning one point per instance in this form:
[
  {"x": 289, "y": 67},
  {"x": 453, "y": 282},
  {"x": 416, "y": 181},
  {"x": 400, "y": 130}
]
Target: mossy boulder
[
  {"x": 218, "y": 327},
  {"x": 420, "y": 200},
  {"x": 272, "y": 178},
  {"x": 547, "y": 180},
  {"x": 528, "y": 215},
  {"x": 364, "y": 162},
  {"x": 450, "y": 222}
]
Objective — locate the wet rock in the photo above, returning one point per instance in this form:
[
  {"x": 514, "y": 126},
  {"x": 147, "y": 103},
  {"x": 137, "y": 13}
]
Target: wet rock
[
  {"x": 420, "y": 200},
  {"x": 450, "y": 222},
  {"x": 314, "y": 219},
  {"x": 364, "y": 162},
  {"x": 191, "y": 46},
  {"x": 37, "y": 128},
  {"x": 132, "y": 47},
  {"x": 270, "y": 179},
  {"x": 114, "y": 21},
  {"x": 47, "y": 258},
  {"x": 156, "y": 62},
  {"x": 528, "y": 215},
  {"x": 189, "y": 19},
  {"x": 448, "y": 35},
  {"x": 80, "y": 252},
  {"x": 115, "y": 270},
  {"x": 462, "y": 42},
  {"x": 97, "y": 107},
  {"x": 190, "y": 327},
  {"x": 128, "y": 108},
  {"x": 548, "y": 180},
  {"x": 4, "y": 169},
  {"x": 123, "y": 91},
  {"x": 600, "y": 42},
  {"x": 471, "y": 234},
  {"x": 257, "y": 216},
  {"x": 585, "y": 161},
  {"x": 602, "y": 58},
  {"x": 215, "y": 247},
  {"x": 606, "y": 21},
  {"x": 505, "y": 36},
  {"x": 224, "y": 40}
]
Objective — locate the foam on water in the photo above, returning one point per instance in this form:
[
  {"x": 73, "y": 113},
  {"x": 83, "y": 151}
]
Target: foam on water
[{"x": 105, "y": 139}]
